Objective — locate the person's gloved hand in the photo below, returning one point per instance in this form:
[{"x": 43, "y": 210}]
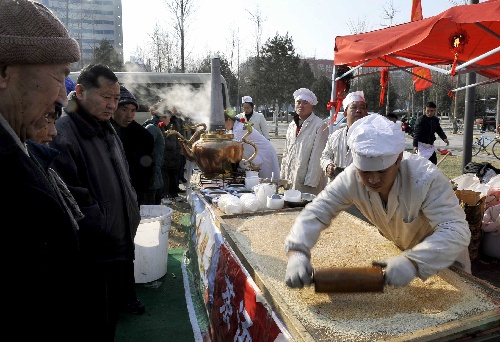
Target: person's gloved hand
[
  {"x": 399, "y": 271},
  {"x": 298, "y": 270},
  {"x": 244, "y": 165},
  {"x": 447, "y": 142}
]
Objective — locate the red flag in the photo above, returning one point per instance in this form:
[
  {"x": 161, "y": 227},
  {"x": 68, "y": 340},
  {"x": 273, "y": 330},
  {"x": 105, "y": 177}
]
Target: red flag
[
  {"x": 416, "y": 10},
  {"x": 421, "y": 84}
]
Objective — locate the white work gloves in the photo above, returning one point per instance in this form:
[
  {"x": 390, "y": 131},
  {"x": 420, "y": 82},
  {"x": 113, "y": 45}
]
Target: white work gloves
[
  {"x": 298, "y": 270},
  {"x": 399, "y": 271},
  {"x": 244, "y": 165}
]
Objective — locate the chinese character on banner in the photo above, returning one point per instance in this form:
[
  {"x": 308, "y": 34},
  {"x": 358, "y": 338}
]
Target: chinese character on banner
[
  {"x": 236, "y": 315},
  {"x": 420, "y": 83}
]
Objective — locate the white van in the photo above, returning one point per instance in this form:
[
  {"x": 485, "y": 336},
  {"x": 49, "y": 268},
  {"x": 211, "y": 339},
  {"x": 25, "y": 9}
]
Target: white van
[{"x": 190, "y": 93}]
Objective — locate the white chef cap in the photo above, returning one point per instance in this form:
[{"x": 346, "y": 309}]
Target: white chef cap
[
  {"x": 354, "y": 96},
  {"x": 246, "y": 99},
  {"x": 306, "y": 95},
  {"x": 375, "y": 142}
]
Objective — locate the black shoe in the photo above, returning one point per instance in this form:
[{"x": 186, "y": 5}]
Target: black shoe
[
  {"x": 180, "y": 190},
  {"x": 136, "y": 307},
  {"x": 183, "y": 180}
]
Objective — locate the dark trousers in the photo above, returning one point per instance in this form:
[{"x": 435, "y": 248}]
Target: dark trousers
[
  {"x": 434, "y": 158},
  {"x": 170, "y": 182},
  {"x": 182, "y": 165},
  {"x": 102, "y": 297},
  {"x": 153, "y": 197}
]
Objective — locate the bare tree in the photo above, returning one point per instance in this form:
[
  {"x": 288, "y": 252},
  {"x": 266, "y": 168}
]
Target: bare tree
[
  {"x": 258, "y": 20},
  {"x": 181, "y": 10},
  {"x": 360, "y": 26},
  {"x": 160, "y": 50},
  {"x": 458, "y": 2},
  {"x": 389, "y": 13}
]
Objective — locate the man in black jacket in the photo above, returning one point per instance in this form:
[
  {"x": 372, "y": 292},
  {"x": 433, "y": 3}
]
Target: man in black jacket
[
  {"x": 425, "y": 131},
  {"x": 40, "y": 246},
  {"x": 92, "y": 162},
  {"x": 138, "y": 144}
]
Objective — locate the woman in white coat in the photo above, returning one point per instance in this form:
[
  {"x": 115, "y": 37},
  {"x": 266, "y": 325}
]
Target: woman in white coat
[
  {"x": 266, "y": 158},
  {"x": 255, "y": 118}
]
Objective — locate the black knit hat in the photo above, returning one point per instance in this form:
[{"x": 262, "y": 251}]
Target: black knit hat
[
  {"x": 127, "y": 97},
  {"x": 31, "y": 34}
]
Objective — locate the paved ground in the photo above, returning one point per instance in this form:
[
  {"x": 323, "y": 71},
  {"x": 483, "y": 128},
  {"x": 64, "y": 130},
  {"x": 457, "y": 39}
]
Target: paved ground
[{"x": 456, "y": 140}]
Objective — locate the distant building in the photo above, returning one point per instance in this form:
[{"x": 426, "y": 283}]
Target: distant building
[
  {"x": 320, "y": 67},
  {"x": 89, "y": 22}
]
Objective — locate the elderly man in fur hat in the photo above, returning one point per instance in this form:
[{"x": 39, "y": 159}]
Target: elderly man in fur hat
[
  {"x": 41, "y": 248},
  {"x": 305, "y": 140},
  {"x": 406, "y": 197}
]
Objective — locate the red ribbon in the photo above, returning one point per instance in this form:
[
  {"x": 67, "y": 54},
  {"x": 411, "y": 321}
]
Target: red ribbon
[
  {"x": 340, "y": 90},
  {"x": 384, "y": 79}
]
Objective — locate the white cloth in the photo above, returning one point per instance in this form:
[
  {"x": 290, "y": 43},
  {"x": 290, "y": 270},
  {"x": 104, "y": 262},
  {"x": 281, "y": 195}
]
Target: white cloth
[
  {"x": 301, "y": 154},
  {"x": 423, "y": 216},
  {"x": 352, "y": 97},
  {"x": 246, "y": 99},
  {"x": 490, "y": 241},
  {"x": 266, "y": 158},
  {"x": 306, "y": 95},
  {"x": 375, "y": 142},
  {"x": 259, "y": 123},
  {"x": 336, "y": 151},
  {"x": 425, "y": 150}
]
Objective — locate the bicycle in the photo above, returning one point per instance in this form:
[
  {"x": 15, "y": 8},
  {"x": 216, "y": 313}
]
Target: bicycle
[{"x": 482, "y": 143}]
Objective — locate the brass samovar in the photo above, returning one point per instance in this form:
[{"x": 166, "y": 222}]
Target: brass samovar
[{"x": 215, "y": 152}]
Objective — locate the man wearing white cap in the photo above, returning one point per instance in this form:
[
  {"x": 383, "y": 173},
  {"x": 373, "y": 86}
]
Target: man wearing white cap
[
  {"x": 305, "y": 140},
  {"x": 406, "y": 197},
  {"x": 336, "y": 156},
  {"x": 255, "y": 118}
]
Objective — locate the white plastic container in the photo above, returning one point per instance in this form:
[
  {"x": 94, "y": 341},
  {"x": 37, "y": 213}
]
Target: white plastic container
[
  {"x": 250, "y": 182},
  {"x": 275, "y": 203},
  {"x": 249, "y": 173},
  {"x": 293, "y": 195},
  {"x": 151, "y": 243}
]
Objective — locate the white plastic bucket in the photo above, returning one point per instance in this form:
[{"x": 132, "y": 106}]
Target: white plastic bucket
[{"x": 151, "y": 243}]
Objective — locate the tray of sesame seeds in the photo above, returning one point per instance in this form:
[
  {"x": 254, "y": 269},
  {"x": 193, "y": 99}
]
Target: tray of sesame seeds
[{"x": 447, "y": 306}]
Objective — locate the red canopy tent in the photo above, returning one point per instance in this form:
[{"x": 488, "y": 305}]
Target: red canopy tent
[
  {"x": 466, "y": 37},
  {"x": 430, "y": 42}
]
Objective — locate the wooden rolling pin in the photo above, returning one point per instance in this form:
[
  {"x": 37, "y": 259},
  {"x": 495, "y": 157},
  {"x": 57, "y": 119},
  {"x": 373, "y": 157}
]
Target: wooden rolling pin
[{"x": 348, "y": 279}]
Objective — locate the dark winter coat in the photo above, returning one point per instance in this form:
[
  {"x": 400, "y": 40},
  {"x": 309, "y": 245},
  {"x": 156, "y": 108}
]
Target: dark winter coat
[
  {"x": 40, "y": 248},
  {"x": 138, "y": 144},
  {"x": 426, "y": 129},
  {"x": 92, "y": 162},
  {"x": 158, "y": 150},
  {"x": 172, "y": 154}
]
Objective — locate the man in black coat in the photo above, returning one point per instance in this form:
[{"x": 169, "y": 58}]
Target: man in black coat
[
  {"x": 425, "y": 131},
  {"x": 138, "y": 144},
  {"x": 93, "y": 165},
  {"x": 40, "y": 249}
]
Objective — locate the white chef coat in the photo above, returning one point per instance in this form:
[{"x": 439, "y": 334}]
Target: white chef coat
[{"x": 423, "y": 216}]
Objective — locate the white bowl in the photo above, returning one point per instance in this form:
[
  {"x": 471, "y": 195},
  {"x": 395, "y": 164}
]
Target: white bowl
[{"x": 292, "y": 196}]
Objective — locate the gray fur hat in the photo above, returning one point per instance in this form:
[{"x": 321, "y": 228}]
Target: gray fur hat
[{"x": 31, "y": 34}]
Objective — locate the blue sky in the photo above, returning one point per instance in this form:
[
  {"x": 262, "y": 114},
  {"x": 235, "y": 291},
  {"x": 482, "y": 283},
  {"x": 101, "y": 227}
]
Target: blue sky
[{"x": 313, "y": 25}]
